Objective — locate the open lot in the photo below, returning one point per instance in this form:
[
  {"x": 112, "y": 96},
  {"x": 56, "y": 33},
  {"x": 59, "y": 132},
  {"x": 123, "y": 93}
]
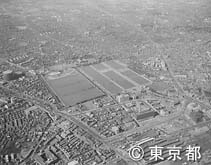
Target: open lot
[
  {"x": 100, "y": 67},
  {"x": 119, "y": 80},
  {"x": 135, "y": 77},
  {"x": 115, "y": 65},
  {"x": 74, "y": 88},
  {"x": 114, "y": 76},
  {"x": 102, "y": 80}
]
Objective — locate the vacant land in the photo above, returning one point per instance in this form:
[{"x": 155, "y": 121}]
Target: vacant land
[
  {"x": 135, "y": 77},
  {"x": 101, "y": 80},
  {"x": 119, "y": 80},
  {"x": 100, "y": 67},
  {"x": 115, "y": 65},
  {"x": 114, "y": 76},
  {"x": 74, "y": 88}
]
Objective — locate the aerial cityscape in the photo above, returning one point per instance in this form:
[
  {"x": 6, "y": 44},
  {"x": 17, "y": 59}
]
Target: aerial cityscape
[{"x": 105, "y": 82}]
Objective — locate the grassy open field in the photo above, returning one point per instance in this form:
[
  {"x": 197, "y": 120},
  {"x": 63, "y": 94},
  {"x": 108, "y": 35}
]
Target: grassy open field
[
  {"x": 114, "y": 76},
  {"x": 124, "y": 83},
  {"x": 115, "y": 65},
  {"x": 135, "y": 77},
  {"x": 74, "y": 88},
  {"x": 102, "y": 80},
  {"x": 100, "y": 67}
]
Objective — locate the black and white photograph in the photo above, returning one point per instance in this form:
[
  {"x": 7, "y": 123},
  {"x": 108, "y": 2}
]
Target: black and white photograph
[{"x": 105, "y": 82}]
